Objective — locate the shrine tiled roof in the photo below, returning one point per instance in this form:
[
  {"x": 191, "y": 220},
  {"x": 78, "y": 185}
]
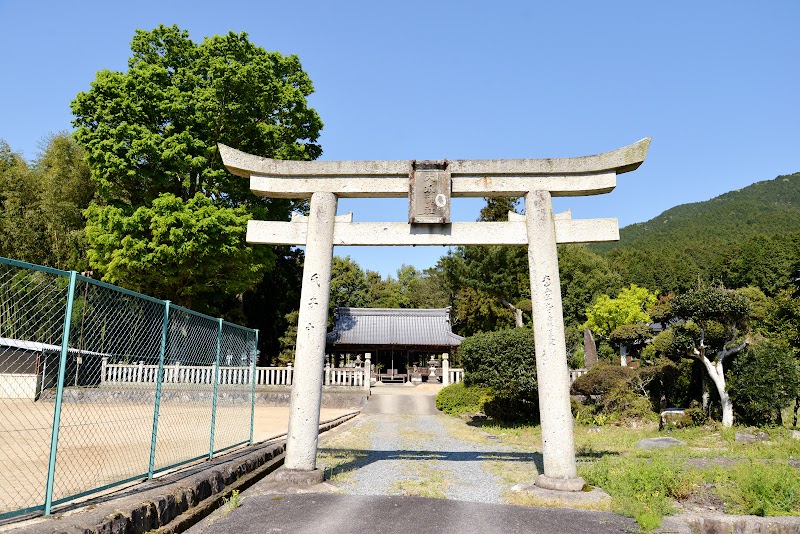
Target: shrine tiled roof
[{"x": 393, "y": 326}]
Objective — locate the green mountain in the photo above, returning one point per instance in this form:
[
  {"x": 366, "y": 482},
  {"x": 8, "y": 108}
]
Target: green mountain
[{"x": 754, "y": 227}]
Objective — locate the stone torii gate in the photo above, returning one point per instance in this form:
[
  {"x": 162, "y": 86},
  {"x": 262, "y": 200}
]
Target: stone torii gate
[{"x": 429, "y": 186}]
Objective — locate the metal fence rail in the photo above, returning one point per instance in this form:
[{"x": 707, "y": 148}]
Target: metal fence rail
[{"x": 100, "y": 386}]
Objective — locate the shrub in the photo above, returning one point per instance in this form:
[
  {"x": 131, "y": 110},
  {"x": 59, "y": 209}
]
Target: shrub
[
  {"x": 763, "y": 380},
  {"x": 601, "y": 379},
  {"x": 457, "y": 399},
  {"x": 626, "y": 403},
  {"x": 512, "y": 409},
  {"x": 505, "y": 363}
]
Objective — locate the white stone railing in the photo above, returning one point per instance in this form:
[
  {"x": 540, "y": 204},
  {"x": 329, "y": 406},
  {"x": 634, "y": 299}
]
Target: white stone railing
[
  {"x": 139, "y": 373},
  {"x": 575, "y": 373},
  {"x": 344, "y": 376},
  {"x": 113, "y": 373},
  {"x": 456, "y": 375},
  {"x": 275, "y": 376}
]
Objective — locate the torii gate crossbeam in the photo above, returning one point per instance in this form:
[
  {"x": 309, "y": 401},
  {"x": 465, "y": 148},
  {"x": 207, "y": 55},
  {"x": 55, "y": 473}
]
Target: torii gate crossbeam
[{"x": 429, "y": 186}]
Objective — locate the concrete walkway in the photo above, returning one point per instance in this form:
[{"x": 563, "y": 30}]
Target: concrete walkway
[
  {"x": 324, "y": 513},
  {"x": 402, "y": 449}
]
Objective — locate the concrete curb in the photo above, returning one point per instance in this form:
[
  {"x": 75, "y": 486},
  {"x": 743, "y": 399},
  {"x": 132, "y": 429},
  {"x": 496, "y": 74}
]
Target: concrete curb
[
  {"x": 717, "y": 523},
  {"x": 178, "y": 501}
]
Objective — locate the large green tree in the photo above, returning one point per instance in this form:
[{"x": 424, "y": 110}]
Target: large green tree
[
  {"x": 21, "y": 233},
  {"x": 153, "y": 130},
  {"x": 189, "y": 252},
  {"x": 66, "y": 191}
]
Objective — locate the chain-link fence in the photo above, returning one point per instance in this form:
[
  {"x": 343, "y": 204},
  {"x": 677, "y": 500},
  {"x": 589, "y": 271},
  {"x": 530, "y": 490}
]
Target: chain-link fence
[{"x": 100, "y": 386}]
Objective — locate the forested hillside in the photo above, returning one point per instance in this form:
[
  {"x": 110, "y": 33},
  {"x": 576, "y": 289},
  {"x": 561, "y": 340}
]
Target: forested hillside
[{"x": 745, "y": 237}]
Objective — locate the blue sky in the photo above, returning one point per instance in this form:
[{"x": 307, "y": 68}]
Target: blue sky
[{"x": 715, "y": 84}]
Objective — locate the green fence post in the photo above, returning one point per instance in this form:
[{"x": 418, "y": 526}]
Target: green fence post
[
  {"x": 216, "y": 381},
  {"x": 159, "y": 380},
  {"x": 253, "y": 388},
  {"x": 62, "y": 371}
]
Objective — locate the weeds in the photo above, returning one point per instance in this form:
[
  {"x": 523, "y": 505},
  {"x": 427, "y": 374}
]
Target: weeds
[
  {"x": 422, "y": 481},
  {"x": 230, "y": 503},
  {"x": 760, "y": 488}
]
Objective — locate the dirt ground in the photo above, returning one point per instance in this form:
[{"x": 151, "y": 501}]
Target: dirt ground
[{"x": 103, "y": 443}]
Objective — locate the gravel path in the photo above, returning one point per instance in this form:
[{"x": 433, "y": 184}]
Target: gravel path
[{"x": 417, "y": 454}]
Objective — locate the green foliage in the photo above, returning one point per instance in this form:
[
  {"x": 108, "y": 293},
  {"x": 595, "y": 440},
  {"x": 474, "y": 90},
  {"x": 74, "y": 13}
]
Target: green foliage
[
  {"x": 763, "y": 261},
  {"x": 348, "y": 284},
  {"x": 612, "y": 395},
  {"x": 477, "y": 311},
  {"x": 707, "y": 304},
  {"x": 512, "y": 409},
  {"x": 783, "y": 320},
  {"x": 584, "y": 277},
  {"x": 189, "y": 252},
  {"x": 601, "y": 379},
  {"x": 457, "y": 399},
  {"x": 642, "y": 489},
  {"x": 763, "y": 489},
  {"x": 632, "y": 335},
  {"x": 628, "y": 307},
  {"x": 266, "y": 312},
  {"x": 694, "y": 416},
  {"x": 22, "y": 236},
  {"x": 505, "y": 363},
  {"x": 496, "y": 273},
  {"x": 763, "y": 380},
  {"x": 497, "y": 208},
  {"x": 426, "y": 289},
  {"x": 66, "y": 191},
  {"x": 154, "y": 129},
  {"x": 289, "y": 339},
  {"x": 41, "y": 205}
]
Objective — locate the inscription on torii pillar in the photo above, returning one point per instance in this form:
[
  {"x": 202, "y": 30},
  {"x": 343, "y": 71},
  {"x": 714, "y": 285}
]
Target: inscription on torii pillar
[{"x": 429, "y": 185}]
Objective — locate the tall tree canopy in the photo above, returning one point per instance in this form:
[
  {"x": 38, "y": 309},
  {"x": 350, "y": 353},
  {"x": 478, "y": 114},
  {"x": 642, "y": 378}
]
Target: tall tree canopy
[
  {"x": 41, "y": 204},
  {"x": 151, "y": 136},
  {"x": 154, "y": 129},
  {"x": 629, "y": 307}
]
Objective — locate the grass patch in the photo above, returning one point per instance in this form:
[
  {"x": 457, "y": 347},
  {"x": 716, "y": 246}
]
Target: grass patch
[
  {"x": 758, "y": 488},
  {"x": 422, "y": 480},
  {"x": 712, "y": 471},
  {"x": 457, "y": 429},
  {"x": 642, "y": 488},
  {"x": 344, "y": 452}
]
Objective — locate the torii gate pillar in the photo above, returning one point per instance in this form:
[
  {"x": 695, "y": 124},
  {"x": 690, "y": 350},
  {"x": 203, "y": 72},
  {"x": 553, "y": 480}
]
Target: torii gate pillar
[
  {"x": 429, "y": 185},
  {"x": 552, "y": 372},
  {"x": 306, "y": 396}
]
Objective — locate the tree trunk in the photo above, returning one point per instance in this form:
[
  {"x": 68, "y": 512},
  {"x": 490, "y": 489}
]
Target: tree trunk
[
  {"x": 705, "y": 395},
  {"x": 717, "y": 373},
  {"x": 516, "y": 311}
]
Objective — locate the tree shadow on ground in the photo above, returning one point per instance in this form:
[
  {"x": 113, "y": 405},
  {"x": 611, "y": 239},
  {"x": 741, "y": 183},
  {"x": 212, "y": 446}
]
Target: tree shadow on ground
[{"x": 362, "y": 458}]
